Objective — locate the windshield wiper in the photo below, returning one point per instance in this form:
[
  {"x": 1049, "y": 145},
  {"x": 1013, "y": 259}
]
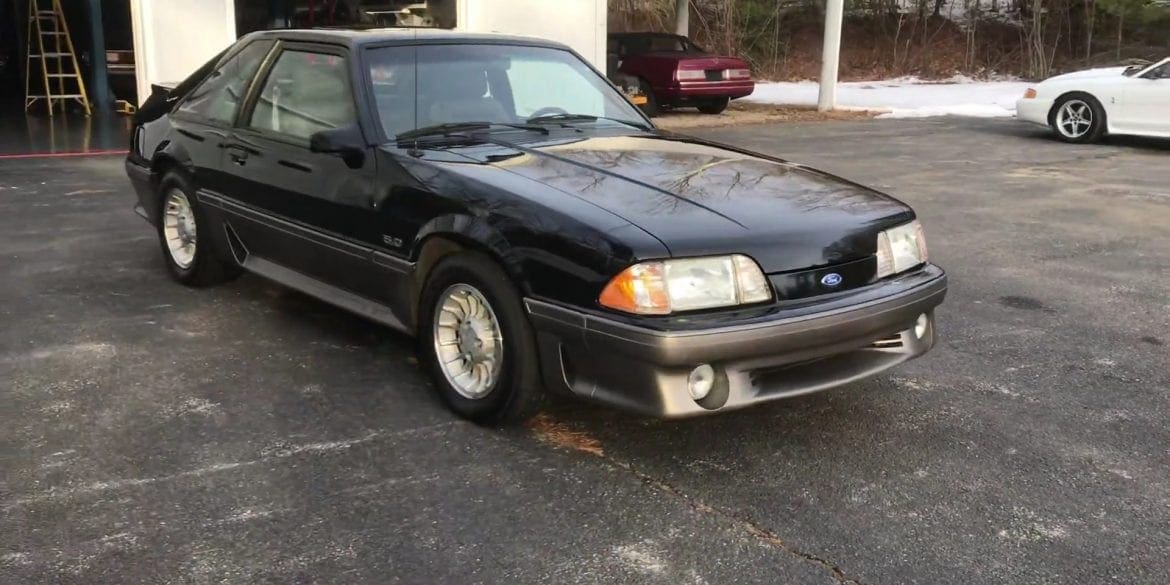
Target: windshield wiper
[
  {"x": 451, "y": 128},
  {"x": 582, "y": 118}
]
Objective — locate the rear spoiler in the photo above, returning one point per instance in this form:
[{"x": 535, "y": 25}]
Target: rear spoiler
[
  {"x": 163, "y": 87},
  {"x": 159, "y": 103}
]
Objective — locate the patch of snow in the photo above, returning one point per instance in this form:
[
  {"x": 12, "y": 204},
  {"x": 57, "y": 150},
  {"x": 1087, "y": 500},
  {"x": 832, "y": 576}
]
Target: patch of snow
[
  {"x": 641, "y": 558},
  {"x": 14, "y": 559},
  {"x": 905, "y": 97},
  {"x": 196, "y": 406}
]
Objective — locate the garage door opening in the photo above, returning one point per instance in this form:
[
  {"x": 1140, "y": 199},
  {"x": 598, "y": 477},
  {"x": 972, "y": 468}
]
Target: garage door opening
[{"x": 99, "y": 38}]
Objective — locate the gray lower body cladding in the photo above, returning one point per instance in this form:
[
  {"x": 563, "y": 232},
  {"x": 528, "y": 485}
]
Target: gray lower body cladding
[{"x": 646, "y": 370}]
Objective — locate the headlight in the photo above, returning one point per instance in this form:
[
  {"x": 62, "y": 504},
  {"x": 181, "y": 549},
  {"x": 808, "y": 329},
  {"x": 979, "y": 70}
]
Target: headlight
[
  {"x": 900, "y": 249},
  {"x": 660, "y": 287}
]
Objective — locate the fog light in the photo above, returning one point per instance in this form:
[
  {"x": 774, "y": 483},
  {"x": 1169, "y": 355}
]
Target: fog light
[
  {"x": 920, "y": 326},
  {"x": 700, "y": 382}
]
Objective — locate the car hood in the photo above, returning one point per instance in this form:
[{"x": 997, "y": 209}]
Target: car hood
[
  {"x": 1088, "y": 74},
  {"x": 700, "y": 199}
]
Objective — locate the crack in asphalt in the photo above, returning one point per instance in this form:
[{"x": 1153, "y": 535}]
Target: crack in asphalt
[
  {"x": 749, "y": 525},
  {"x": 559, "y": 434},
  {"x": 275, "y": 452}
]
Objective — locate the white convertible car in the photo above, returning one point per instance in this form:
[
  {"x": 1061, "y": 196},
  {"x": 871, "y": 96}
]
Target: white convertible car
[{"x": 1083, "y": 106}]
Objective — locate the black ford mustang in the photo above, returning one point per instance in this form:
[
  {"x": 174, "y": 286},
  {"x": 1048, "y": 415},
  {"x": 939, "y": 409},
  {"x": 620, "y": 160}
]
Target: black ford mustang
[{"x": 500, "y": 200}]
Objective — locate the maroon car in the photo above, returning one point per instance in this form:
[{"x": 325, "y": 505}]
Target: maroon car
[{"x": 673, "y": 71}]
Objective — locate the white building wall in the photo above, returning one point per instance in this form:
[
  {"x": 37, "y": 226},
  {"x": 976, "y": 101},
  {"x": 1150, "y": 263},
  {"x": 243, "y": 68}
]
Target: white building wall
[
  {"x": 581, "y": 24},
  {"x": 173, "y": 38}
]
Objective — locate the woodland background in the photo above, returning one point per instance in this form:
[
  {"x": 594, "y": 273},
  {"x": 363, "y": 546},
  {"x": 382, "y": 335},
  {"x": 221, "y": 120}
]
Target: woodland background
[{"x": 926, "y": 38}]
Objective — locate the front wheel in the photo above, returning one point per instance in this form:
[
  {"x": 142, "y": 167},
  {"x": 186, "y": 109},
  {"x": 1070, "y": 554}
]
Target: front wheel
[
  {"x": 714, "y": 105},
  {"x": 478, "y": 344},
  {"x": 1078, "y": 118}
]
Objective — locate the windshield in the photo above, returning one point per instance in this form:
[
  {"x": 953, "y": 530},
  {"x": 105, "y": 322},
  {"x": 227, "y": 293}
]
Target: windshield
[{"x": 432, "y": 85}]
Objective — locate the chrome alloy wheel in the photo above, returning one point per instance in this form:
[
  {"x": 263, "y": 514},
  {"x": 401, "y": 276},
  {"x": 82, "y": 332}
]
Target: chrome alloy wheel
[
  {"x": 179, "y": 228},
  {"x": 468, "y": 342},
  {"x": 1074, "y": 119}
]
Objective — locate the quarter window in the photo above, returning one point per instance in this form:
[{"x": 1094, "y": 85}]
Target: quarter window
[
  {"x": 305, "y": 93},
  {"x": 219, "y": 96}
]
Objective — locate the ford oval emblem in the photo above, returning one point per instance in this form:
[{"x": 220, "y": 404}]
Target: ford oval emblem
[{"x": 831, "y": 279}]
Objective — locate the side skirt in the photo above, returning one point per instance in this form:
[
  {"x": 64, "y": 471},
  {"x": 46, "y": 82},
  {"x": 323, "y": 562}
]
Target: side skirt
[{"x": 333, "y": 295}]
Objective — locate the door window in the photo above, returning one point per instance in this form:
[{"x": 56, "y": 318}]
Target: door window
[
  {"x": 219, "y": 96},
  {"x": 305, "y": 93}
]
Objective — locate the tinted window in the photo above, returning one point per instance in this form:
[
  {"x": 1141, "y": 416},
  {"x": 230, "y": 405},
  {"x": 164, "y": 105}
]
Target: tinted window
[
  {"x": 305, "y": 93},
  {"x": 219, "y": 96},
  {"x": 487, "y": 83}
]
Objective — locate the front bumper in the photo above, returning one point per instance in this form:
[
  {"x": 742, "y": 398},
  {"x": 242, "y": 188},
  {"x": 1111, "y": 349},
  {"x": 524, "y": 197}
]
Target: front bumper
[
  {"x": 1033, "y": 110},
  {"x": 784, "y": 354}
]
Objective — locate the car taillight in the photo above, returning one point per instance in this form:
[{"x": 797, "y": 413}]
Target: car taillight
[
  {"x": 739, "y": 73},
  {"x": 690, "y": 75}
]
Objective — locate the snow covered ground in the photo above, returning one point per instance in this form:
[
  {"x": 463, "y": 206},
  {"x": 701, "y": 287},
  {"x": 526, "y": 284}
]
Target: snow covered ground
[{"x": 905, "y": 97}]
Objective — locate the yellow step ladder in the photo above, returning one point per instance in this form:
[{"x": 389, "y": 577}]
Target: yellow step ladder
[{"x": 50, "y": 52}]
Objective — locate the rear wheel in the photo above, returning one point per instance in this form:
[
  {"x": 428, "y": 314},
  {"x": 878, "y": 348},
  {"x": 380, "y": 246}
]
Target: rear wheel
[
  {"x": 184, "y": 234},
  {"x": 650, "y": 108},
  {"x": 1078, "y": 118},
  {"x": 476, "y": 339},
  {"x": 714, "y": 105}
]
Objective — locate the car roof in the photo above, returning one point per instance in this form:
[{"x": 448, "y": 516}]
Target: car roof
[{"x": 356, "y": 38}]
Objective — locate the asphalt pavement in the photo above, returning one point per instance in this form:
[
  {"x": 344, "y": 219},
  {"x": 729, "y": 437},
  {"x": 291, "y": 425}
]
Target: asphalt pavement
[{"x": 151, "y": 433}]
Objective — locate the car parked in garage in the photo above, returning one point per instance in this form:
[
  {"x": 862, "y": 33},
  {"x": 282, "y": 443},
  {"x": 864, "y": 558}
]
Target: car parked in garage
[
  {"x": 1086, "y": 105},
  {"x": 498, "y": 199},
  {"x": 674, "y": 72}
]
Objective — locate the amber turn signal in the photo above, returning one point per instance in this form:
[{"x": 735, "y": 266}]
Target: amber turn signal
[
  {"x": 1030, "y": 94},
  {"x": 640, "y": 288}
]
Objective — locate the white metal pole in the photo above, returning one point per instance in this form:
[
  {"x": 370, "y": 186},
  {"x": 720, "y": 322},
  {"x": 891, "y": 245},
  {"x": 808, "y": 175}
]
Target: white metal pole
[
  {"x": 831, "y": 55},
  {"x": 682, "y": 17}
]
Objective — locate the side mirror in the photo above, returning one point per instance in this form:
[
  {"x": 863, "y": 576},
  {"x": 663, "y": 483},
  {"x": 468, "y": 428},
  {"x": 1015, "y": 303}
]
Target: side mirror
[{"x": 346, "y": 142}]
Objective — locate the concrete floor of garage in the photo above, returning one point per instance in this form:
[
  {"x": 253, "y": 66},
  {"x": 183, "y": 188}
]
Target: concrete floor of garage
[{"x": 246, "y": 433}]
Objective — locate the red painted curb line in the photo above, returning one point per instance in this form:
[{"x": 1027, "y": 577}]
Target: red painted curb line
[{"x": 62, "y": 154}]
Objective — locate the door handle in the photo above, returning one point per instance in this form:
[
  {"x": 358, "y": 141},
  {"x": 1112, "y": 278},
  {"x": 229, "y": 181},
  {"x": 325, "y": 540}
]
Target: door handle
[{"x": 238, "y": 157}]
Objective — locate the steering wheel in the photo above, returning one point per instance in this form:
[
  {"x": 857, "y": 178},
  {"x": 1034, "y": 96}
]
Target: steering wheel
[{"x": 547, "y": 111}]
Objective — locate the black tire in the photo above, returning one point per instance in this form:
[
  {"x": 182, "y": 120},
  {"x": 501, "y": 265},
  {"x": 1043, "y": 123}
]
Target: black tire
[
  {"x": 517, "y": 393},
  {"x": 207, "y": 267},
  {"x": 1097, "y": 124},
  {"x": 650, "y": 108},
  {"x": 714, "y": 105}
]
